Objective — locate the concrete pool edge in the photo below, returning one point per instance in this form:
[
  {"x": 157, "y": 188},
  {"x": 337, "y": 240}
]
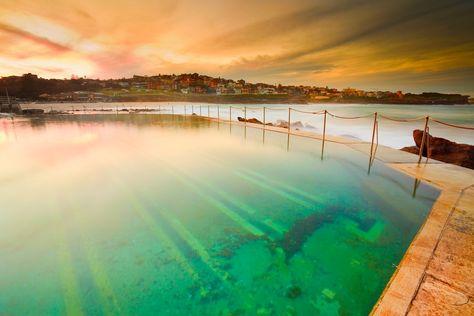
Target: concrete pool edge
[
  {"x": 434, "y": 274},
  {"x": 427, "y": 280}
]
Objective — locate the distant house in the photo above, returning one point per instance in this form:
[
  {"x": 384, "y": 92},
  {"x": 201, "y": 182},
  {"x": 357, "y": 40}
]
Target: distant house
[
  {"x": 246, "y": 90},
  {"x": 140, "y": 85},
  {"x": 267, "y": 90}
]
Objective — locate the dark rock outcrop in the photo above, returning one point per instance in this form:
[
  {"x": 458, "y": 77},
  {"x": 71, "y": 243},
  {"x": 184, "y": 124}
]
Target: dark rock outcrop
[
  {"x": 250, "y": 120},
  {"x": 293, "y": 291},
  {"x": 32, "y": 111},
  {"x": 443, "y": 150}
]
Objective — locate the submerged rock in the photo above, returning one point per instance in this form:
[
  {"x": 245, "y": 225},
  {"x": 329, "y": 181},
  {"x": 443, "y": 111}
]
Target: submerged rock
[
  {"x": 293, "y": 291},
  {"x": 443, "y": 150},
  {"x": 301, "y": 230}
]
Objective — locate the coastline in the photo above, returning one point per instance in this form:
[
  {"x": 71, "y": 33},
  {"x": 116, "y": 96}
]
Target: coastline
[{"x": 251, "y": 99}]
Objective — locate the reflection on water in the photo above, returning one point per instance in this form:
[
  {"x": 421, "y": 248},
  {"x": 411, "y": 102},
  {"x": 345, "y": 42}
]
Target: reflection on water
[
  {"x": 393, "y": 134},
  {"x": 146, "y": 214}
]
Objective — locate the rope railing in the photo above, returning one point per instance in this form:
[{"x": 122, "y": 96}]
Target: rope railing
[
  {"x": 425, "y": 142},
  {"x": 402, "y": 120},
  {"x": 236, "y": 107},
  {"x": 349, "y": 117},
  {"x": 276, "y": 109},
  {"x": 252, "y": 108},
  {"x": 308, "y": 112},
  {"x": 471, "y": 128}
]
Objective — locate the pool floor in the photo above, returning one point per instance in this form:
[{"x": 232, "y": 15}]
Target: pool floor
[{"x": 160, "y": 214}]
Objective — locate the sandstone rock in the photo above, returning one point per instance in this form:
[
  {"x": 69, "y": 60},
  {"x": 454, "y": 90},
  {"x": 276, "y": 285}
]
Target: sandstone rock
[
  {"x": 297, "y": 124},
  {"x": 282, "y": 123},
  {"x": 443, "y": 150}
]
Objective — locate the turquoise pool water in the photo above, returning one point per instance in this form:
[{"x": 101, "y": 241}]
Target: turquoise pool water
[{"x": 147, "y": 215}]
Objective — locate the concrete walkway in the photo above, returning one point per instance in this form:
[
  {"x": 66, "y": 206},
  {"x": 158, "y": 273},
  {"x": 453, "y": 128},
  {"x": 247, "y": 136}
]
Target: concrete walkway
[{"x": 436, "y": 275}]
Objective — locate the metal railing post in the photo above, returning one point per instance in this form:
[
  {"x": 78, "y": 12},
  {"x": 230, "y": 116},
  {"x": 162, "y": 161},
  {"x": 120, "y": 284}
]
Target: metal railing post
[
  {"x": 264, "y": 120},
  {"x": 218, "y": 113},
  {"x": 184, "y": 110},
  {"x": 289, "y": 119},
  {"x": 373, "y": 139},
  {"x": 172, "y": 110},
  {"x": 423, "y": 140},
  {"x": 230, "y": 113},
  {"x": 428, "y": 148},
  {"x": 245, "y": 115},
  {"x": 208, "y": 112},
  {"x": 324, "y": 134},
  {"x": 200, "y": 110}
]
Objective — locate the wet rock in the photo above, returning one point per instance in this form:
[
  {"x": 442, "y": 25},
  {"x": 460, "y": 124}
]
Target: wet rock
[
  {"x": 282, "y": 123},
  {"x": 32, "y": 111},
  {"x": 443, "y": 150},
  {"x": 297, "y": 124},
  {"x": 293, "y": 291},
  {"x": 250, "y": 120},
  {"x": 55, "y": 112}
]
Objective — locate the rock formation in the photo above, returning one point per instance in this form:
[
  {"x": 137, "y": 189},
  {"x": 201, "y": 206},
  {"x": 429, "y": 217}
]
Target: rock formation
[
  {"x": 250, "y": 120},
  {"x": 443, "y": 150}
]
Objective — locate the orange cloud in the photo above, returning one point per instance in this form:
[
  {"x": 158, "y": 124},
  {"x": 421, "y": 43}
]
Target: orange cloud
[{"x": 364, "y": 43}]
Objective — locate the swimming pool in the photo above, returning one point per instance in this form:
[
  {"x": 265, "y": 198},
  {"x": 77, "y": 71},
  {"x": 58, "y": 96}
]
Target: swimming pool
[{"x": 161, "y": 214}]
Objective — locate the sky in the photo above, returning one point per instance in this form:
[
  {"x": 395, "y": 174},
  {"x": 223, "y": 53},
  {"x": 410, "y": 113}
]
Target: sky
[{"x": 408, "y": 45}]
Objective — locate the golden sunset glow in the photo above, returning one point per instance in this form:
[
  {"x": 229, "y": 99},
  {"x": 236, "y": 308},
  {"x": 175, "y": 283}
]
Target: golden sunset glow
[{"x": 408, "y": 45}]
